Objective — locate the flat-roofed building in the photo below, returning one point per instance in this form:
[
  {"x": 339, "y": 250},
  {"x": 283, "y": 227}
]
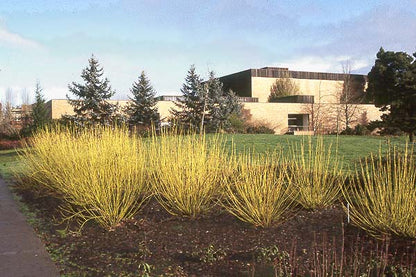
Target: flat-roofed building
[
  {"x": 319, "y": 105},
  {"x": 316, "y": 107}
]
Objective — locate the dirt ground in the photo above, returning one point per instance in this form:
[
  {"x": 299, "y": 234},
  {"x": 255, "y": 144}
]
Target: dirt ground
[{"x": 308, "y": 243}]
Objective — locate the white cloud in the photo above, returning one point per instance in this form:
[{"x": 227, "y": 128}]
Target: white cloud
[
  {"x": 360, "y": 37},
  {"x": 49, "y": 92},
  {"x": 322, "y": 63},
  {"x": 55, "y": 92},
  {"x": 15, "y": 40}
]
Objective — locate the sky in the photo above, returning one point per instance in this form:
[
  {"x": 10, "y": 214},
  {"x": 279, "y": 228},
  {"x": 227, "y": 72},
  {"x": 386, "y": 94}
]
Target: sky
[{"x": 50, "y": 41}]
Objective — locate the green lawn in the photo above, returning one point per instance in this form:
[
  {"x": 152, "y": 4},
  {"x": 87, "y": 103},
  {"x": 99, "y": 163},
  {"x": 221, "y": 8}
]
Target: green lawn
[
  {"x": 8, "y": 163},
  {"x": 350, "y": 148}
]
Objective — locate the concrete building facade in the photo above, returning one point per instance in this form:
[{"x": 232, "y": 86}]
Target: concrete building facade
[{"x": 317, "y": 106}]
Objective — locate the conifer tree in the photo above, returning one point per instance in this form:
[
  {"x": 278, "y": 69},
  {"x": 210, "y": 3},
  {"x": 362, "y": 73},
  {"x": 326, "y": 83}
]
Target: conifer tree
[
  {"x": 39, "y": 114},
  {"x": 392, "y": 84},
  {"x": 91, "y": 103},
  {"x": 220, "y": 105},
  {"x": 142, "y": 109},
  {"x": 190, "y": 108}
]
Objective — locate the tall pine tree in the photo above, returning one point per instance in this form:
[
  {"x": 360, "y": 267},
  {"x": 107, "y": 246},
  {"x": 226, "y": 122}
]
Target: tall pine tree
[
  {"x": 189, "y": 109},
  {"x": 91, "y": 103},
  {"x": 220, "y": 105},
  {"x": 205, "y": 104},
  {"x": 142, "y": 110},
  {"x": 40, "y": 114}
]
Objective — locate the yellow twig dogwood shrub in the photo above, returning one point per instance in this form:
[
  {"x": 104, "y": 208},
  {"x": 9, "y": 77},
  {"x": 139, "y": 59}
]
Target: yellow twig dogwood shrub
[
  {"x": 382, "y": 198},
  {"x": 100, "y": 173},
  {"x": 316, "y": 173},
  {"x": 259, "y": 192},
  {"x": 188, "y": 172}
]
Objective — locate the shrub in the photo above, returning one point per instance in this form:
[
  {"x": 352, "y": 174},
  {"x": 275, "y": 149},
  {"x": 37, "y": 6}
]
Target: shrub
[
  {"x": 316, "y": 174},
  {"x": 383, "y": 129},
  {"x": 260, "y": 191},
  {"x": 383, "y": 195},
  {"x": 10, "y": 144},
  {"x": 237, "y": 124},
  {"x": 187, "y": 172},
  {"x": 359, "y": 130},
  {"x": 282, "y": 87},
  {"x": 100, "y": 173},
  {"x": 259, "y": 129}
]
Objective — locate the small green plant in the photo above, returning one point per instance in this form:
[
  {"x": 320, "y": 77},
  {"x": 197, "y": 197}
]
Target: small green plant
[
  {"x": 271, "y": 254},
  {"x": 63, "y": 233},
  {"x": 210, "y": 254},
  {"x": 145, "y": 269},
  {"x": 279, "y": 259}
]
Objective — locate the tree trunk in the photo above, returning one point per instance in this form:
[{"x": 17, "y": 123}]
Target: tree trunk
[{"x": 411, "y": 136}]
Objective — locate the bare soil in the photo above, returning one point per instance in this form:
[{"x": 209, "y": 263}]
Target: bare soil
[{"x": 308, "y": 243}]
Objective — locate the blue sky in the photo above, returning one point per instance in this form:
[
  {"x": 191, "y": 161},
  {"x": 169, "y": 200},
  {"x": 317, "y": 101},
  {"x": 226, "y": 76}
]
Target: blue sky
[{"x": 51, "y": 41}]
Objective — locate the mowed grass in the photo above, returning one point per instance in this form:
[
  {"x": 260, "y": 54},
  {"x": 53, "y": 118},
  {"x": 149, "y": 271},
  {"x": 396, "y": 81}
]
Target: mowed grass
[
  {"x": 9, "y": 162},
  {"x": 350, "y": 148}
]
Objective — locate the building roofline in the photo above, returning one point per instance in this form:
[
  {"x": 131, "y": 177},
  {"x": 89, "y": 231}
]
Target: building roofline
[{"x": 281, "y": 72}]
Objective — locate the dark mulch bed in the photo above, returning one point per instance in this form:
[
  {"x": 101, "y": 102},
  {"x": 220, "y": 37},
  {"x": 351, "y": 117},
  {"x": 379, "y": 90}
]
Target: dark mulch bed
[{"x": 217, "y": 245}]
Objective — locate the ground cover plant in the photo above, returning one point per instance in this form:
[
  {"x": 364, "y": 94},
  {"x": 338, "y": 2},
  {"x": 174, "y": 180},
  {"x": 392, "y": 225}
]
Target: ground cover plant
[{"x": 157, "y": 242}]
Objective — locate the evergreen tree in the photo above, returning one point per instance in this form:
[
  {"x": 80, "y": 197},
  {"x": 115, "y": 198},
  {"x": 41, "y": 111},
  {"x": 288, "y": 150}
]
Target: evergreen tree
[
  {"x": 205, "y": 104},
  {"x": 142, "y": 109},
  {"x": 221, "y": 105},
  {"x": 40, "y": 114},
  {"x": 392, "y": 84},
  {"x": 91, "y": 103},
  {"x": 190, "y": 108}
]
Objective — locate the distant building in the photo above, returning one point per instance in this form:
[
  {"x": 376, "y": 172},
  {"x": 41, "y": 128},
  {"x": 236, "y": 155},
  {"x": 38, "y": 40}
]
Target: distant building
[
  {"x": 316, "y": 108},
  {"x": 20, "y": 115}
]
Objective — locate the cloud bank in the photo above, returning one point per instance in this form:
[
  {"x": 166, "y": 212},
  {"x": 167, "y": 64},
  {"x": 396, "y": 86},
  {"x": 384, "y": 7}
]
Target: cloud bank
[{"x": 11, "y": 39}]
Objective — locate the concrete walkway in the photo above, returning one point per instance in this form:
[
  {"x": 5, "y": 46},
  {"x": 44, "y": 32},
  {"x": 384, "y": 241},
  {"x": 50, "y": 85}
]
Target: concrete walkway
[{"x": 21, "y": 251}]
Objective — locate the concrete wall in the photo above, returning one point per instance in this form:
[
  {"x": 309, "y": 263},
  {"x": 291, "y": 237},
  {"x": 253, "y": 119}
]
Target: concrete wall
[
  {"x": 275, "y": 115},
  {"x": 325, "y": 90},
  {"x": 164, "y": 108}
]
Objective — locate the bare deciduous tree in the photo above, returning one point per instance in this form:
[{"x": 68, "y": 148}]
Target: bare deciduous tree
[
  {"x": 319, "y": 115},
  {"x": 6, "y": 122},
  {"x": 349, "y": 96}
]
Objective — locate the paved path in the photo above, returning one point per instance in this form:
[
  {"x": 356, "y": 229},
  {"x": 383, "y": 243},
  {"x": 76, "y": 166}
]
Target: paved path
[{"x": 21, "y": 251}]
